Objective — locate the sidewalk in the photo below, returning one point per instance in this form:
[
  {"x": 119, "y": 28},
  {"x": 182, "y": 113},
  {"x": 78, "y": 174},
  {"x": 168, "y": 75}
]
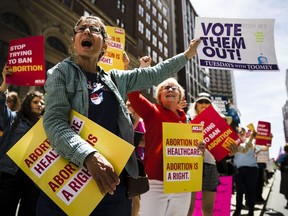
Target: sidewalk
[
  {"x": 276, "y": 202},
  {"x": 259, "y": 208}
]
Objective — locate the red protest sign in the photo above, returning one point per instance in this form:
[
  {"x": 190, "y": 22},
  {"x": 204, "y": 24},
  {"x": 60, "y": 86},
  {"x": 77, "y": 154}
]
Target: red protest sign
[
  {"x": 218, "y": 135},
  {"x": 263, "y": 136},
  {"x": 26, "y": 58}
]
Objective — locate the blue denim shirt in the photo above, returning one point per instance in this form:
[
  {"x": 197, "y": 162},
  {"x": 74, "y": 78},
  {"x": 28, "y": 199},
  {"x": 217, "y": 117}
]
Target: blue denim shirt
[{"x": 66, "y": 89}]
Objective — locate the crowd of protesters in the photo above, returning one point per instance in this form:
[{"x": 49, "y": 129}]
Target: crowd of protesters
[{"x": 79, "y": 83}]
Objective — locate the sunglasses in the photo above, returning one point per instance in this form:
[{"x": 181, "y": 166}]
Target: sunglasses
[
  {"x": 203, "y": 101},
  {"x": 92, "y": 29},
  {"x": 168, "y": 87}
]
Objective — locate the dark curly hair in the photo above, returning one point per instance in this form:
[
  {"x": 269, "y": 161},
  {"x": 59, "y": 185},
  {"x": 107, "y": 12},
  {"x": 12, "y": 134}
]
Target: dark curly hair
[{"x": 25, "y": 110}]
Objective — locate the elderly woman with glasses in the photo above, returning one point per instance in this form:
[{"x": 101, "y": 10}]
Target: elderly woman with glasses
[
  {"x": 168, "y": 96},
  {"x": 78, "y": 83}
]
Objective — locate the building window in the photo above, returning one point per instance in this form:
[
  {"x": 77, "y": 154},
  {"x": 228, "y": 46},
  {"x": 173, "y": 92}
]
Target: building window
[
  {"x": 160, "y": 59},
  {"x": 121, "y": 6},
  {"x": 166, "y": 52},
  {"x": 148, "y": 4},
  {"x": 118, "y": 4},
  {"x": 141, "y": 11},
  {"x": 148, "y": 34},
  {"x": 148, "y": 50},
  {"x": 159, "y": 17},
  {"x": 154, "y": 11},
  {"x": 140, "y": 27},
  {"x": 154, "y": 56},
  {"x": 154, "y": 25},
  {"x": 160, "y": 46},
  {"x": 122, "y": 25},
  {"x": 57, "y": 44},
  {"x": 160, "y": 31},
  {"x": 123, "y": 9},
  {"x": 15, "y": 22},
  {"x": 165, "y": 11},
  {"x": 160, "y": 4},
  {"x": 148, "y": 18},
  {"x": 165, "y": 24},
  {"x": 165, "y": 38},
  {"x": 154, "y": 41}
]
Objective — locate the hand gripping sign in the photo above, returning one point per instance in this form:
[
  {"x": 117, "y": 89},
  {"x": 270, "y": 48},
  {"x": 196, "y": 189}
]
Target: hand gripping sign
[{"x": 68, "y": 185}]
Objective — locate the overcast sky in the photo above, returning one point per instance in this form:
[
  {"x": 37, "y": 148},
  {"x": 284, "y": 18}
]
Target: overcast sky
[{"x": 260, "y": 96}]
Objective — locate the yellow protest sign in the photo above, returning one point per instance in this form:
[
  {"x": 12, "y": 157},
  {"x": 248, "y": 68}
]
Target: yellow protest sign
[
  {"x": 251, "y": 127},
  {"x": 113, "y": 57},
  {"x": 69, "y": 186},
  {"x": 182, "y": 161}
]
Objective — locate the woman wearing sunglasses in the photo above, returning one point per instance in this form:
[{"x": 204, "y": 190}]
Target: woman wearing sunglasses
[{"x": 210, "y": 173}]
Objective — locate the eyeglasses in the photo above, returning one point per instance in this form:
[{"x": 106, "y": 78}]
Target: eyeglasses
[
  {"x": 168, "y": 87},
  {"x": 203, "y": 101},
  {"x": 92, "y": 29}
]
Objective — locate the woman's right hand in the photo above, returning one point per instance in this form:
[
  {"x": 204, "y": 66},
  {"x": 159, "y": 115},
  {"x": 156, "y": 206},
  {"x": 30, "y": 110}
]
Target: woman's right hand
[
  {"x": 7, "y": 70},
  {"x": 145, "y": 61}
]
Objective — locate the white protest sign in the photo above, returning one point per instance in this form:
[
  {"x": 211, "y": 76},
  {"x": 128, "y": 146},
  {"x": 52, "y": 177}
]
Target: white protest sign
[{"x": 239, "y": 44}]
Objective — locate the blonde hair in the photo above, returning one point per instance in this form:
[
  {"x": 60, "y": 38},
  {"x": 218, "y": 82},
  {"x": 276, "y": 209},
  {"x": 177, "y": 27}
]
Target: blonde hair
[
  {"x": 165, "y": 82},
  {"x": 16, "y": 102}
]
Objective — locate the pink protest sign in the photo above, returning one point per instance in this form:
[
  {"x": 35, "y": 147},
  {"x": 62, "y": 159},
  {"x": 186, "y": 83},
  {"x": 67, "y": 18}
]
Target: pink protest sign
[
  {"x": 26, "y": 58},
  {"x": 218, "y": 135},
  {"x": 263, "y": 136},
  {"x": 222, "y": 204}
]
